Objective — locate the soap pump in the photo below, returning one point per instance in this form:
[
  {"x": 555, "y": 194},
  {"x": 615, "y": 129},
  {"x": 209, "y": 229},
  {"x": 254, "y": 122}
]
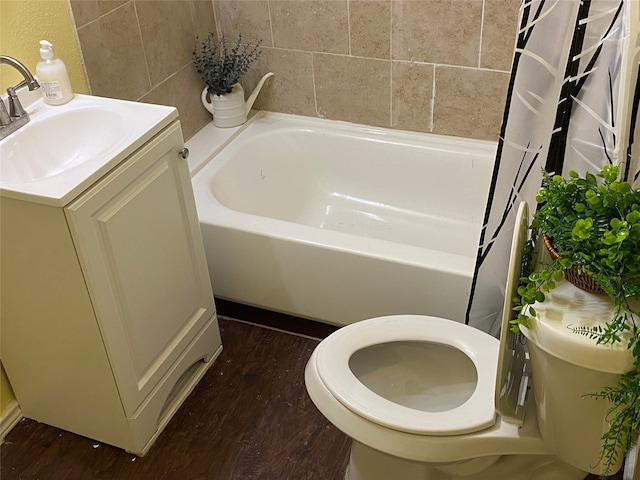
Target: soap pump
[{"x": 53, "y": 77}]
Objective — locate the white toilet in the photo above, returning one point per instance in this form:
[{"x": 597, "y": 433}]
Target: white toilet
[{"x": 433, "y": 399}]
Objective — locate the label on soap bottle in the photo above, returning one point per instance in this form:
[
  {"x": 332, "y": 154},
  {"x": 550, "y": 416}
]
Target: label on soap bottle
[{"x": 51, "y": 90}]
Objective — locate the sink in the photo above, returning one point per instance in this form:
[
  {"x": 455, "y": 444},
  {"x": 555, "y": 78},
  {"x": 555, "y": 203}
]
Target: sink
[
  {"x": 49, "y": 152},
  {"x": 64, "y": 149}
]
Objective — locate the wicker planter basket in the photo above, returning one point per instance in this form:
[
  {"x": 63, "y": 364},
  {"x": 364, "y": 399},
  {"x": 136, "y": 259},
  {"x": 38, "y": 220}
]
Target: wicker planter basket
[{"x": 583, "y": 281}]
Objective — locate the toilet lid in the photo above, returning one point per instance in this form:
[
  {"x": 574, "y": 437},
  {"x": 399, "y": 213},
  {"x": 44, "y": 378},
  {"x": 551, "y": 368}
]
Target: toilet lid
[
  {"x": 512, "y": 376},
  {"x": 477, "y": 412}
]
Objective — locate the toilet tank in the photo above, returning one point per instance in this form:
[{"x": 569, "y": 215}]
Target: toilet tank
[{"x": 567, "y": 366}]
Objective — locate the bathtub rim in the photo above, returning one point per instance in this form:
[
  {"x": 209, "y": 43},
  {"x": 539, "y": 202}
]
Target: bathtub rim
[
  {"x": 211, "y": 140},
  {"x": 204, "y": 168}
]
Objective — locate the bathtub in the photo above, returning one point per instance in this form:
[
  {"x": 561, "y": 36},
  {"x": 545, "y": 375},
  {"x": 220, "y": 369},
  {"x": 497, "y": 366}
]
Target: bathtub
[{"x": 338, "y": 222}]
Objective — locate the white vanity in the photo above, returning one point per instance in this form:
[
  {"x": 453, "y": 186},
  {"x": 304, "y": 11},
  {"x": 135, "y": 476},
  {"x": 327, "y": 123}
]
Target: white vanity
[{"x": 108, "y": 319}]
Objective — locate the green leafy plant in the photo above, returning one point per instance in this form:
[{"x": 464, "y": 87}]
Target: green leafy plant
[
  {"x": 220, "y": 67},
  {"x": 595, "y": 228}
]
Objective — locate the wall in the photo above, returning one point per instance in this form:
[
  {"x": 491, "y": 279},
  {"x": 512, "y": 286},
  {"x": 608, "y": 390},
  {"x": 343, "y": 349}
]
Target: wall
[
  {"x": 141, "y": 50},
  {"x": 431, "y": 65},
  {"x": 7, "y": 396},
  {"x": 22, "y": 25}
]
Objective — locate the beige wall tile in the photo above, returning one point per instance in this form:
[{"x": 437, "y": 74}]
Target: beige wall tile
[
  {"x": 250, "y": 18},
  {"x": 365, "y": 88},
  {"x": 499, "y": 33},
  {"x": 291, "y": 89},
  {"x": 437, "y": 31},
  {"x": 312, "y": 25},
  {"x": 469, "y": 102},
  {"x": 167, "y": 36},
  {"x": 117, "y": 62},
  {"x": 370, "y": 27},
  {"x": 84, "y": 11},
  {"x": 204, "y": 21},
  {"x": 411, "y": 96},
  {"x": 182, "y": 91},
  {"x": 114, "y": 56},
  {"x": 353, "y": 89},
  {"x": 108, "y": 5}
]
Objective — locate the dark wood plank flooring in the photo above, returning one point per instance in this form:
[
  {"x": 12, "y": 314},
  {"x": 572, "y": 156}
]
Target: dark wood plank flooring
[{"x": 249, "y": 418}]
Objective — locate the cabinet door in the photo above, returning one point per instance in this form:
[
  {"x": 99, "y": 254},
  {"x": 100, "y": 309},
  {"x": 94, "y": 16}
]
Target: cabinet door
[{"x": 138, "y": 239}]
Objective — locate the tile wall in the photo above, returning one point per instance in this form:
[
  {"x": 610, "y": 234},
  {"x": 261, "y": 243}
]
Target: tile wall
[
  {"x": 141, "y": 50},
  {"x": 437, "y": 66}
]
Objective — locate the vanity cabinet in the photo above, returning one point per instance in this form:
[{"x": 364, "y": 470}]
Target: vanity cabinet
[{"x": 108, "y": 319}]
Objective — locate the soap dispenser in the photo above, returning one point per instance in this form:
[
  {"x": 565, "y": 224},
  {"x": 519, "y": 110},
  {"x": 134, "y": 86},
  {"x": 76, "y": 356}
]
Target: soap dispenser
[{"x": 53, "y": 77}]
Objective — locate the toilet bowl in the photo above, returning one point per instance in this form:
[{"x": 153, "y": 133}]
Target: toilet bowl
[
  {"x": 434, "y": 399},
  {"x": 374, "y": 388}
]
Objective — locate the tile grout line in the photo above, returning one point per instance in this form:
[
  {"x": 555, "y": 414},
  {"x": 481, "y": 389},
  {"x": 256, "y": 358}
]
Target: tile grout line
[
  {"x": 481, "y": 33},
  {"x": 390, "y": 64}
]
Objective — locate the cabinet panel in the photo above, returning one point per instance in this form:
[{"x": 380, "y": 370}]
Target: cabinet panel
[
  {"x": 139, "y": 242},
  {"x": 52, "y": 348},
  {"x": 159, "y": 407}
]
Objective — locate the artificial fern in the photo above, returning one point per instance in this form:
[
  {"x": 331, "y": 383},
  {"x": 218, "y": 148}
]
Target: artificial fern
[
  {"x": 623, "y": 417},
  {"x": 610, "y": 333},
  {"x": 596, "y": 228},
  {"x": 624, "y": 414}
]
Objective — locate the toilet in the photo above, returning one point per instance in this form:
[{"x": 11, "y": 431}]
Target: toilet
[{"x": 425, "y": 398}]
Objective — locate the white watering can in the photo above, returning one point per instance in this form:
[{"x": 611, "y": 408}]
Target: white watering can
[{"x": 230, "y": 109}]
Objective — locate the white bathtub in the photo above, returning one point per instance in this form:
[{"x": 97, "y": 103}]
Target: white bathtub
[{"x": 339, "y": 222}]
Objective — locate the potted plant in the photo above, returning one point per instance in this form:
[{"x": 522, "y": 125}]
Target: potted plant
[
  {"x": 592, "y": 228},
  {"x": 221, "y": 69}
]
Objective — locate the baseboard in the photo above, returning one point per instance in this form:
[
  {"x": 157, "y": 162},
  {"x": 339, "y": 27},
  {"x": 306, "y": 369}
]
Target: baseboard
[
  {"x": 9, "y": 418},
  {"x": 277, "y": 320}
]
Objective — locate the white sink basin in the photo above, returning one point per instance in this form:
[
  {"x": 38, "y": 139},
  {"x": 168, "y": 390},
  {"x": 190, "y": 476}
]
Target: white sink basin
[
  {"x": 42, "y": 143},
  {"x": 63, "y": 149}
]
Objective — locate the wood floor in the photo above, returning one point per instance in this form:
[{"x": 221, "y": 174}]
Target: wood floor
[{"x": 249, "y": 418}]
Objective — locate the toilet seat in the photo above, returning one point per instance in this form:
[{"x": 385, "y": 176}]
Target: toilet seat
[{"x": 477, "y": 413}]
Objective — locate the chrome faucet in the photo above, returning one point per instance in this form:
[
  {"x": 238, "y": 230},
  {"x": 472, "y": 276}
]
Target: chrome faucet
[{"x": 16, "y": 117}]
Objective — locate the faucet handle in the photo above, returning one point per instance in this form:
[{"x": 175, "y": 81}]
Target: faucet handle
[
  {"x": 5, "y": 119},
  {"x": 15, "y": 107}
]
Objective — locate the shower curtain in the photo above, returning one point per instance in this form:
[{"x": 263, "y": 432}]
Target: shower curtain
[{"x": 572, "y": 105}]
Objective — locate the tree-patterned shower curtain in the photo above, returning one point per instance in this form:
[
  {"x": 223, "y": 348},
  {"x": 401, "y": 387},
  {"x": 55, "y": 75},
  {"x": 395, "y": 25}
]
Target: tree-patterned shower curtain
[{"x": 572, "y": 105}]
